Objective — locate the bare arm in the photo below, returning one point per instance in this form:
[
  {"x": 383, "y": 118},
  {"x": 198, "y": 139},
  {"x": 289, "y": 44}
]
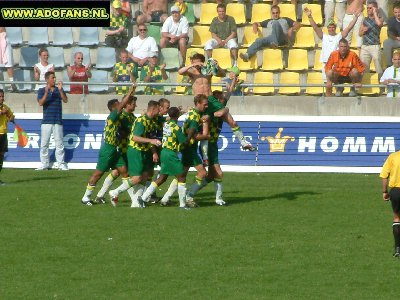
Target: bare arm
[
  {"x": 385, "y": 182},
  {"x": 314, "y": 25}
]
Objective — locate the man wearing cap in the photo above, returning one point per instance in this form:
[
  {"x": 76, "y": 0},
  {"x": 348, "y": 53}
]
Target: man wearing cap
[
  {"x": 223, "y": 32},
  {"x": 330, "y": 41},
  {"x": 141, "y": 47},
  {"x": 175, "y": 31},
  {"x": 117, "y": 33},
  {"x": 233, "y": 82}
]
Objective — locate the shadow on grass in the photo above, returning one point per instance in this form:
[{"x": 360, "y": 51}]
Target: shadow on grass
[
  {"x": 36, "y": 179},
  {"x": 204, "y": 198}
]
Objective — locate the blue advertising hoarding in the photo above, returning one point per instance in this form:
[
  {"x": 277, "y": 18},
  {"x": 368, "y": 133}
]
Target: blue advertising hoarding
[{"x": 302, "y": 144}]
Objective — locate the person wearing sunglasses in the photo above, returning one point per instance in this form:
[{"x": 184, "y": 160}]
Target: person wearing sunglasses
[{"x": 141, "y": 47}]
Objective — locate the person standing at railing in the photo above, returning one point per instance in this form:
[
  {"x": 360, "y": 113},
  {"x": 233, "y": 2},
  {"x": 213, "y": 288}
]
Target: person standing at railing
[
  {"x": 391, "y": 77},
  {"x": 78, "y": 72}
]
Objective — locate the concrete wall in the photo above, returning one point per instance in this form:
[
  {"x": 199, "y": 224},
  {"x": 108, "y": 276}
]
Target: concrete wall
[{"x": 249, "y": 105}]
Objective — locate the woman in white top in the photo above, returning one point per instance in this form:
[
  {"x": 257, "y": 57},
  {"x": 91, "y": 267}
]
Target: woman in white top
[{"x": 42, "y": 67}]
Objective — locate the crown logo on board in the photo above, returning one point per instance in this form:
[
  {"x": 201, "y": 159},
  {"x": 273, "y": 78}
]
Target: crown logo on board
[{"x": 277, "y": 143}]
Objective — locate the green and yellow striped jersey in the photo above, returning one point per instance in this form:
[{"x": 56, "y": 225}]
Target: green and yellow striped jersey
[
  {"x": 193, "y": 121},
  {"x": 111, "y": 129},
  {"x": 173, "y": 136},
  {"x": 121, "y": 72},
  {"x": 144, "y": 127},
  {"x": 127, "y": 120}
]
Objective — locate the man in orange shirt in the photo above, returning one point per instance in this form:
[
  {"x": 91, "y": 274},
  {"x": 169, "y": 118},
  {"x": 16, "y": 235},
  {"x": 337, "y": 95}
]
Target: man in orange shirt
[{"x": 343, "y": 66}]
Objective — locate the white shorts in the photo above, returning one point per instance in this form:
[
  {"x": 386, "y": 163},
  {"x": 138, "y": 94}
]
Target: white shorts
[
  {"x": 9, "y": 55},
  {"x": 212, "y": 44}
]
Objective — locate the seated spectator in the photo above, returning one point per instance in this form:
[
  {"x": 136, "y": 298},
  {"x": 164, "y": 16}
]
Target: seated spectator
[
  {"x": 280, "y": 35},
  {"x": 343, "y": 66},
  {"x": 330, "y": 40},
  {"x": 6, "y": 55},
  {"x": 233, "y": 82},
  {"x": 223, "y": 32},
  {"x": 175, "y": 31},
  {"x": 79, "y": 73},
  {"x": 124, "y": 71},
  {"x": 140, "y": 47},
  {"x": 117, "y": 33},
  {"x": 391, "y": 77},
  {"x": 153, "y": 11},
  {"x": 42, "y": 67},
  {"x": 393, "y": 29},
  {"x": 153, "y": 72},
  {"x": 370, "y": 31}
]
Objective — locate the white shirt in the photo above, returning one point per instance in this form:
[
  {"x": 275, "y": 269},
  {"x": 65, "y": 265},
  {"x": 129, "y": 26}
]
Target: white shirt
[
  {"x": 330, "y": 43},
  {"x": 142, "y": 48},
  {"x": 176, "y": 28},
  {"x": 389, "y": 74},
  {"x": 43, "y": 70}
]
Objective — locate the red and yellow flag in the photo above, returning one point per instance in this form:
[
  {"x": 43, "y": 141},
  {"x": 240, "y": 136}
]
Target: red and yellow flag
[{"x": 20, "y": 136}]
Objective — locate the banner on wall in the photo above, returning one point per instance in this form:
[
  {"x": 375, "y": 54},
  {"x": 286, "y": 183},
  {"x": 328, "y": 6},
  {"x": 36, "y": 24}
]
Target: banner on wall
[{"x": 310, "y": 144}]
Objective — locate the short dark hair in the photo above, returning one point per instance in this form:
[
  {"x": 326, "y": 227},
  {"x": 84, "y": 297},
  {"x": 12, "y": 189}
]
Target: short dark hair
[
  {"x": 373, "y": 3},
  {"x": 123, "y": 51},
  {"x": 199, "y": 56},
  {"x": 198, "y": 98},
  {"x": 217, "y": 94},
  {"x": 152, "y": 104},
  {"x": 343, "y": 41},
  {"x": 1, "y": 91},
  {"x": 111, "y": 103},
  {"x": 174, "y": 112},
  {"x": 221, "y": 5},
  {"x": 48, "y": 73},
  {"x": 396, "y": 5},
  {"x": 131, "y": 99},
  {"x": 163, "y": 100},
  {"x": 275, "y": 7},
  {"x": 41, "y": 50}
]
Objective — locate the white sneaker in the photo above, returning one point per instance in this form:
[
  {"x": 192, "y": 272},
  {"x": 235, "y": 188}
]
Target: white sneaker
[
  {"x": 113, "y": 198},
  {"x": 41, "y": 168},
  {"x": 63, "y": 167},
  {"x": 220, "y": 202},
  {"x": 86, "y": 201}
]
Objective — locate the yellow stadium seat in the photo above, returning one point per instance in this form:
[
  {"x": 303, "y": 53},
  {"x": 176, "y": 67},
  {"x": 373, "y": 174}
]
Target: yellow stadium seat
[
  {"x": 189, "y": 51},
  {"x": 250, "y": 65},
  {"x": 216, "y": 79},
  {"x": 237, "y": 11},
  {"x": 201, "y": 34},
  {"x": 317, "y": 62},
  {"x": 288, "y": 10},
  {"x": 314, "y": 78},
  {"x": 316, "y": 14},
  {"x": 223, "y": 57},
  {"x": 208, "y": 13},
  {"x": 272, "y": 60},
  {"x": 289, "y": 78},
  {"x": 181, "y": 89},
  {"x": 297, "y": 60},
  {"x": 243, "y": 76},
  {"x": 304, "y": 38},
  {"x": 369, "y": 78},
  {"x": 264, "y": 77},
  {"x": 383, "y": 35},
  {"x": 260, "y": 12},
  {"x": 249, "y": 36}
]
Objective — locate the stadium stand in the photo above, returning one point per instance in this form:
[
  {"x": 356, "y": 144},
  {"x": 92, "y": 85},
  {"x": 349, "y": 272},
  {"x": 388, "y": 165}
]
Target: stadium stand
[
  {"x": 88, "y": 36},
  {"x": 28, "y": 57},
  {"x": 289, "y": 78},
  {"x": 171, "y": 57},
  {"x": 99, "y": 76},
  {"x": 106, "y": 58},
  {"x": 62, "y": 36},
  {"x": 208, "y": 12},
  {"x": 272, "y": 60},
  {"x": 23, "y": 75},
  {"x": 260, "y": 12},
  {"x": 14, "y": 35},
  {"x": 297, "y": 60},
  {"x": 237, "y": 11},
  {"x": 56, "y": 57},
  {"x": 38, "y": 36}
]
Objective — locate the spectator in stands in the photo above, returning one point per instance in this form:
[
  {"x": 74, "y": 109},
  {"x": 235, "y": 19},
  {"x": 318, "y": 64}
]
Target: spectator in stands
[
  {"x": 42, "y": 67},
  {"x": 393, "y": 28},
  {"x": 370, "y": 31},
  {"x": 6, "y": 55},
  {"x": 332, "y": 8},
  {"x": 51, "y": 98},
  {"x": 153, "y": 72},
  {"x": 124, "y": 71},
  {"x": 330, "y": 40},
  {"x": 233, "y": 82},
  {"x": 153, "y": 11},
  {"x": 281, "y": 33},
  {"x": 391, "y": 77},
  {"x": 343, "y": 66},
  {"x": 223, "y": 31},
  {"x": 141, "y": 47},
  {"x": 117, "y": 33},
  {"x": 175, "y": 31},
  {"x": 78, "y": 72},
  {"x": 354, "y": 7}
]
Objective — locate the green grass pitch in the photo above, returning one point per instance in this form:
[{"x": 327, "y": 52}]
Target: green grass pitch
[{"x": 283, "y": 236}]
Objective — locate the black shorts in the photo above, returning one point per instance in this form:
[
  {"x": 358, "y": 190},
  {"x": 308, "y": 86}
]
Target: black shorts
[
  {"x": 395, "y": 199},
  {"x": 3, "y": 143},
  {"x": 344, "y": 79}
]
